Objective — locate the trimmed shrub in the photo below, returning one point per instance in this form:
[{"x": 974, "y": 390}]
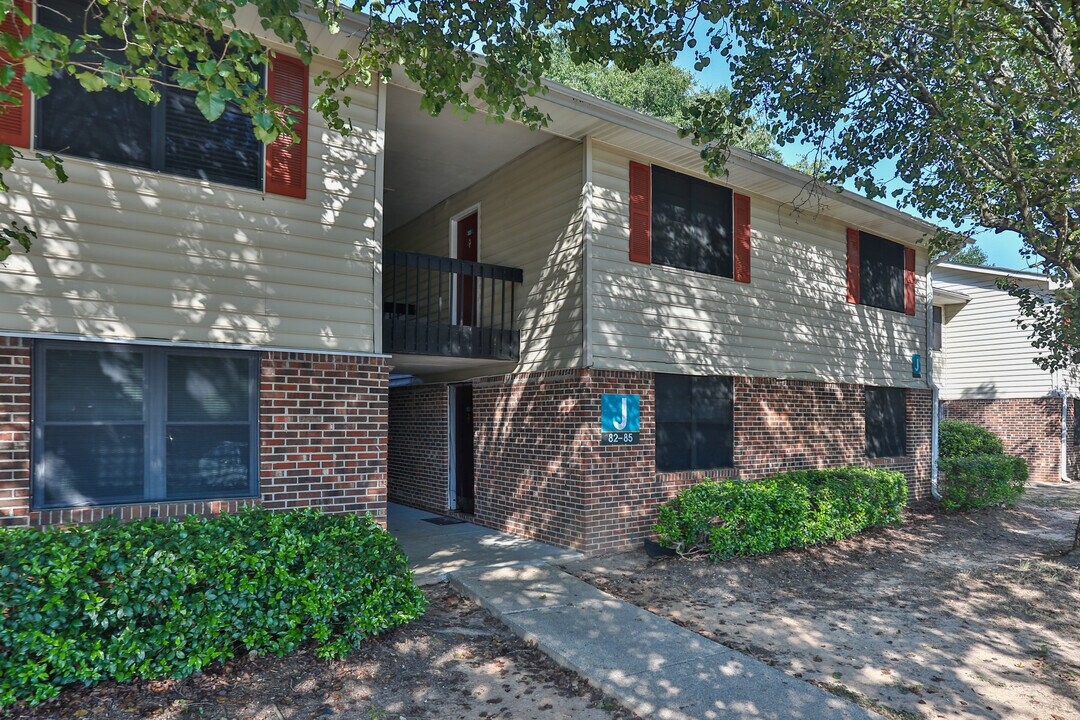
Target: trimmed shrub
[
  {"x": 964, "y": 439},
  {"x": 152, "y": 599},
  {"x": 727, "y": 518},
  {"x": 977, "y": 481}
]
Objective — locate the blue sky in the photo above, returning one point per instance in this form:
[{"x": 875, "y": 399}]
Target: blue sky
[{"x": 1001, "y": 249}]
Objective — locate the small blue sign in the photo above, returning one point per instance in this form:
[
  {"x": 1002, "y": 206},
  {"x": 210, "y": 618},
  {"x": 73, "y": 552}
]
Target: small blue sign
[
  {"x": 620, "y": 419},
  {"x": 916, "y": 365}
]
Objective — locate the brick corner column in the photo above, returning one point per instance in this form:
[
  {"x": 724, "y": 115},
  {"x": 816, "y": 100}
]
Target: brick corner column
[{"x": 15, "y": 431}]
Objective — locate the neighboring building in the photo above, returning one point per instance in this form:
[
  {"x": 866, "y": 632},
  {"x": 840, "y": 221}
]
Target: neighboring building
[
  {"x": 196, "y": 330},
  {"x": 987, "y": 375}
]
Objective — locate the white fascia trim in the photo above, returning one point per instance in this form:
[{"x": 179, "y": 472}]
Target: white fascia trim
[
  {"x": 949, "y": 297},
  {"x": 191, "y": 344},
  {"x": 995, "y": 271}
]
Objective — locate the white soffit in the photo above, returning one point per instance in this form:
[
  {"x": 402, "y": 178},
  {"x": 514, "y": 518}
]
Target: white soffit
[{"x": 428, "y": 159}]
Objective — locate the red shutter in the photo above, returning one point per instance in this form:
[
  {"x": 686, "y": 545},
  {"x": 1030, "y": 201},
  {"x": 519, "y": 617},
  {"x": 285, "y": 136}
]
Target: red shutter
[
  {"x": 15, "y": 119},
  {"x": 286, "y": 161},
  {"x": 854, "y": 283},
  {"x": 909, "y": 281},
  {"x": 742, "y": 237},
  {"x": 640, "y": 213}
]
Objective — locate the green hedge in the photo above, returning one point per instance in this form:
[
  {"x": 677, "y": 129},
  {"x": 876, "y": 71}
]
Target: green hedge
[
  {"x": 970, "y": 483},
  {"x": 728, "y": 518},
  {"x": 151, "y": 599},
  {"x": 964, "y": 439}
]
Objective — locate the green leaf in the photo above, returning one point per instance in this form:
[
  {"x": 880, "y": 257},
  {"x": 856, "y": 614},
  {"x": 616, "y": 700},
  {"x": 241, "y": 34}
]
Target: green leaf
[
  {"x": 210, "y": 104},
  {"x": 91, "y": 82}
]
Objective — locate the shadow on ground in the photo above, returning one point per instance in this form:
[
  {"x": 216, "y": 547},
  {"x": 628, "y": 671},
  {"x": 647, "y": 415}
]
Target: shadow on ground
[{"x": 955, "y": 616}]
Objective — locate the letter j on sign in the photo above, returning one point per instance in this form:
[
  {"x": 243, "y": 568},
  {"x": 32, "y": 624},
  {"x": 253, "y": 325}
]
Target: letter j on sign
[{"x": 620, "y": 419}]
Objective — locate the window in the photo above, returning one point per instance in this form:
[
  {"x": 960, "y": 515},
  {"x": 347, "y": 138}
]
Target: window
[
  {"x": 881, "y": 269},
  {"x": 1076, "y": 421},
  {"x": 694, "y": 422},
  {"x": 121, "y": 424},
  {"x": 172, "y": 136},
  {"x": 691, "y": 223},
  {"x": 886, "y": 422},
  {"x": 938, "y": 322}
]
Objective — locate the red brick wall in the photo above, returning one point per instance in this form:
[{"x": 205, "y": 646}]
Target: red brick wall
[
  {"x": 1028, "y": 427},
  {"x": 783, "y": 425},
  {"x": 541, "y": 472},
  {"x": 322, "y": 427},
  {"x": 418, "y": 442},
  {"x": 1072, "y": 451},
  {"x": 529, "y": 431},
  {"x": 14, "y": 431}
]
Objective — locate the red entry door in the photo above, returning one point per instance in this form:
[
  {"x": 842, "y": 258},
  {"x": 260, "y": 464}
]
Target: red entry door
[{"x": 468, "y": 239}]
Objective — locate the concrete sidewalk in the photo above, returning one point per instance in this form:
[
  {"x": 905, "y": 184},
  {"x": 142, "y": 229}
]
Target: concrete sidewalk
[
  {"x": 651, "y": 665},
  {"x": 434, "y": 551}
]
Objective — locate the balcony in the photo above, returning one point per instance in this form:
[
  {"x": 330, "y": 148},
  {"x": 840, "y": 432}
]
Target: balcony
[{"x": 447, "y": 307}]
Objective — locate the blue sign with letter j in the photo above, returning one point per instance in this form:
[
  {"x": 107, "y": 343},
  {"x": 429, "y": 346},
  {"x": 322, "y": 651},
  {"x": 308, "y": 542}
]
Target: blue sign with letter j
[{"x": 620, "y": 419}]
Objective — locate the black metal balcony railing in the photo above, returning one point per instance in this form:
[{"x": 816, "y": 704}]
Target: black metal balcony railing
[{"x": 443, "y": 306}]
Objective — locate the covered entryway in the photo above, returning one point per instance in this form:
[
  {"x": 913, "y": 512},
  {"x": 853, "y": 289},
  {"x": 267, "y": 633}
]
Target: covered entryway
[{"x": 436, "y": 549}]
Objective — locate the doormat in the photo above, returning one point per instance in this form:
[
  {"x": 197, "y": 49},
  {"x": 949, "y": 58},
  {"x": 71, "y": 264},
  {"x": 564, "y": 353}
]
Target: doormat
[{"x": 443, "y": 521}]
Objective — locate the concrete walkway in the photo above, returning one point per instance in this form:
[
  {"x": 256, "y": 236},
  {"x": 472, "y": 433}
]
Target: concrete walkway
[
  {"x": 435, "y": 551},
  {"x": 652, "y": 666}
]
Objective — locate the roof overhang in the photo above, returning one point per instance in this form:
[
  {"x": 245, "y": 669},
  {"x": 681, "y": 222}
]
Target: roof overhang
[
  {"x": 996, "y": 271},
  {"x": 949, "y": 297},
  {"x": 577, "y": 115}
]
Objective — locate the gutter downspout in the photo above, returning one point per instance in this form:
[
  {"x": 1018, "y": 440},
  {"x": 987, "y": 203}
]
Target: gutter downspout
[
  {"x": 1063, "y": 456},
  {"x": 1064, "y": 436},
  {"x": 934, "y": 390}
]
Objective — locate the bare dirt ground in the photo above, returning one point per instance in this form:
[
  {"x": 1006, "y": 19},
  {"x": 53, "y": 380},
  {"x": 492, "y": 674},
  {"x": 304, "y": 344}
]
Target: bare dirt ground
[
  {"x": 455, "y": 662},
  {"x": 947, "y": 616}
]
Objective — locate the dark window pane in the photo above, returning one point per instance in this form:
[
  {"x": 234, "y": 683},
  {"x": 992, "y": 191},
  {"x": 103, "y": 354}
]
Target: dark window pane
[
  {"x": 886, "y": 422},
  {"x": 712, "y": 445},
  {"x": 881, "y": 266},
  {"x": 94, "y": 385},
  {"x": 107, "y": 125},
  {"x": 672, "y": 397},
  {"x": 691, "y": 223},
  {"x": 87, "y": 464},
  {"x": 208, "y": 461},
  {"x": 223, "y": 151},
  {"x": 713, "y": 407},
  {"x": 673, "y": 446},
  {"x": 712, "y": 399},
  {"x": 937, "y": 327},
  {"x": 209, "y": 388}
]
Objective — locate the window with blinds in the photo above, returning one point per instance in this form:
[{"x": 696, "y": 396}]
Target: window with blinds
[
  {"x": 172, "y": 136},
  {"x": 122, "y": 424}
]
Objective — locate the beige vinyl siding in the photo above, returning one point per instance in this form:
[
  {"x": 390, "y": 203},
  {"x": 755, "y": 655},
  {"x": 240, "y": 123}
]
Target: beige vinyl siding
[
  {"x": 986, "y": 354},
  {"x": 792, "y": 320},
  {"x": 530, "y": 218},
  {"x": 133, "y": 254}
]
